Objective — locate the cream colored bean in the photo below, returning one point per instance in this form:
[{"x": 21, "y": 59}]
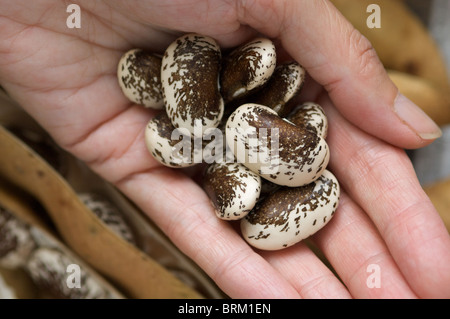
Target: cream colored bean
[
  {"x": 292, "y": 214},
  {"x": 139, "y": 75},
  {"x": 190, "y": 83},
  {"x": 16, "y": 242},
  {"x": 247, "y": 68},
  {"x": 48, "y": 269},
  {"x": 291, "y": 156},
  {"x": 311, "y": 116},
  {"x": 168, "y": 145},
  {"x": 232, "y": 188},
  {"x": 284, "y": 84}
]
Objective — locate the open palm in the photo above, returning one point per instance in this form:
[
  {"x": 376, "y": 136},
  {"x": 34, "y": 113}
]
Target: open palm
[{"x": 66, "y": 79}]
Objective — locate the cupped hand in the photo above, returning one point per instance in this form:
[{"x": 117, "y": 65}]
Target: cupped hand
[{"x": 66, "y": 79}]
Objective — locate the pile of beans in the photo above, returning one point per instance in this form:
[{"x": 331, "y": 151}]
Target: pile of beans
[{"x": 265, "y": 156}]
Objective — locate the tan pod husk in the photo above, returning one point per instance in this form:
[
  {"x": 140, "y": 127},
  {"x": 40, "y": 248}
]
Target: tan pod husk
[
  {"x": 439, "y": 193},
  {"x": 402, "y": 42},
  {"x": 154, "y": 269},
  {"x": 432, "y": 100},
  {"x": 16, "y": 284},
  {"x": 18, "y": 204}
]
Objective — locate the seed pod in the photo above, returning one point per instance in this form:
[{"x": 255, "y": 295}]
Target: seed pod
[
  {"x": 163, "y": 142},
  {"x": 310, "y": 116},
  {"x": 139, "y": 75},
  {"x": 109, "y": 214},
  {"x": 274, "y": 148},
  {"x": 16, "y": 242},
  {"x": 42, "y": 144},
  {"x": 190, "y": 82},
  {"x": 247, "y": 68},
  {"x": 232, "y": 188},
  {"x": 48, "y": 267},
  {"x": 292, "y": 214},
  {"x": 284, "y": 84}
]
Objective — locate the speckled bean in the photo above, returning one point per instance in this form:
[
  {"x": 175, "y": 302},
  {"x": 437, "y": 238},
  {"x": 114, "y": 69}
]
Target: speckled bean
[
  {"x": 311, "y": 116},
  {"x": 246, "y": 68},
  {"x": 16, "y": 242},
  {"x": 139, "y": 75},
  {"x": 298, "y": 157},
  {"x": 292, "y": 214},
  {"x": 284, "y": 84},
  {"x": 232, "y": 188},
  {"x": 190, "y": 82}
]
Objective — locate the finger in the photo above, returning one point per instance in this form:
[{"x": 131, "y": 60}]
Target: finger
[
  {"x": 215, "y": 19},
  {"x": 183, "y": 211},
  {"x": 306, "y": 272},
  {"x": 344, "y": 62},
  {"x": 381, "y": 179},
  {"x": 358, "y": 254}
]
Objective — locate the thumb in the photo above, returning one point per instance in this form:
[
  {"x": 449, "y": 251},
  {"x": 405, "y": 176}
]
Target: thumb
[{"x": 343, "y": 61}]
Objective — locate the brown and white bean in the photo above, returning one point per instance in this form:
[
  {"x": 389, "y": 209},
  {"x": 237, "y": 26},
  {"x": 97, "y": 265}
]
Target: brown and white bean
[
  {"x": 247, "y": 68},
  {"x": 292, "y": 156},
  {"x": 139, "y": 75},
  {"x": 233, "y": 189},
  {"x": 16, "y": 242},
  {"x": 291, "y": 214},
  {"x": 276, "y": 182},
  {"x": 48, "y": 269},
  {"x": 190, "y": 83},
  {"x": 310, "y": 116},
  {"x": 284, "y": 84}
]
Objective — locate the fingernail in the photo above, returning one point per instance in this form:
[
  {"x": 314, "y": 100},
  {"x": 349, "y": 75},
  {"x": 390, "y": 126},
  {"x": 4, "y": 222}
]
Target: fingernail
[{"x": 416, "y": 118}]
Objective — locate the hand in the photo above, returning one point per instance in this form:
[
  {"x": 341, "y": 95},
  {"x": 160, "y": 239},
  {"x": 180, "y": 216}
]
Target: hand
[{"x": 66, "y": 79}]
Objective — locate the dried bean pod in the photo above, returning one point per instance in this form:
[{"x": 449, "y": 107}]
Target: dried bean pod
[
  {"x": 310, "y": 116},
  {"x": 276, "y": 149},
  {"x": 139, "y": 75},
  {"x": 284, "y": 84},
  {"x": 247, "y": 68},
  {"x": 232, "y": 188},
  {"x": 16, "y": 242},
  {"x": 292, "y": 214},
  {"x": 190, "y": 82}
]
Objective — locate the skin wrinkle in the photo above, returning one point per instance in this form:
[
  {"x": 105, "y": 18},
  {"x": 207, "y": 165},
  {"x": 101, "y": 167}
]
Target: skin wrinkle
[
  {"x": 76, "y": 141},
  {"x": 117, "y": 160},
  {"x": 116, "y": 155},
  {"x": 405, "y": 219},
  {"x": 251, "y": 10},
  {"x": 310, "y": 288},
  {"x": 310, "y": 273},
  {"x": 69, "y": 32},
  {"x": 57, "y": 85}
]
